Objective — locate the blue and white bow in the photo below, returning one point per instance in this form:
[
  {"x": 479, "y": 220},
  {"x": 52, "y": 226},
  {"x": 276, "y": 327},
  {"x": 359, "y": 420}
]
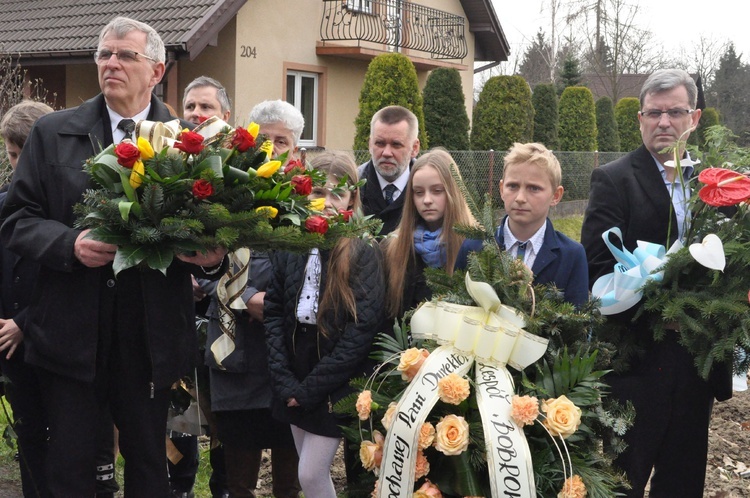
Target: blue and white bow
[{"x": 622, "y": 289}]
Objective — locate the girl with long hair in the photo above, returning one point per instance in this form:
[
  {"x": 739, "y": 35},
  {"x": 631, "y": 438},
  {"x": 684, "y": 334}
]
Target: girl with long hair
[
  {"x": 322, "y": 311},
  {"x": 433, "y": 205}
]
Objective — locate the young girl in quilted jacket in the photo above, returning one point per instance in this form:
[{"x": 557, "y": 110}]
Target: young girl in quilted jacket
[
  {"x": 322, "y": 311},
  {"x": 433, "y": 205}
]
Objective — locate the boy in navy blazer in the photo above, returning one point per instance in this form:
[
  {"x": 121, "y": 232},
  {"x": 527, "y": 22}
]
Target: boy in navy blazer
[{"x": 531, "y": 184}]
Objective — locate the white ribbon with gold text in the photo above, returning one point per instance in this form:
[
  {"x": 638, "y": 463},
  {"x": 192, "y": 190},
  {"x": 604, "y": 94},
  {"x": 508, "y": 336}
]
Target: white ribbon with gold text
[{"x": 492, "y": 335}]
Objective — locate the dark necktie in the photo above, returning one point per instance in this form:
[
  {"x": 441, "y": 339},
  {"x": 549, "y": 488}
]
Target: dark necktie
[
  {"x": 389, "y": 190},
  {"x": 521, "y": 250},
  {"x": 127, "y": 125}
]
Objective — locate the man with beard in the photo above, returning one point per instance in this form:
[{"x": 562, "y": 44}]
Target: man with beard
[{"x": 393, "y": 147}]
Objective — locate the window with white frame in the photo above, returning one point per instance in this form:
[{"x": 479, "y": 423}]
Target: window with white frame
[
  {"x": 302, "y": 93},
  {"x": 364, "y": 6}
]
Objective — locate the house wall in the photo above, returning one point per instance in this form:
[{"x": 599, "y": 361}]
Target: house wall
[{"x": 81, "y": 83}]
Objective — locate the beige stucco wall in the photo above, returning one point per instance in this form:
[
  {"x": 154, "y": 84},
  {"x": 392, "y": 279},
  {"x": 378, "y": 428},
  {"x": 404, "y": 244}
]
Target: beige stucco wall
[
  {"x": 288, "y": 42},
  {"x": 81, "y": 83}
]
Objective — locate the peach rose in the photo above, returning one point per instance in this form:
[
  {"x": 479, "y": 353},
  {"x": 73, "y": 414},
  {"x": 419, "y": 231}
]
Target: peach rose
[
  {"x": 453, "y": 389},
  {"x": 428, "y": 490},
  {"x": 371, "y": 452},
  {"x": 423, "y": 466},
  {"x": 573, "y": 487},
  {"x": 411, "y": 362},
  {"x": 452, "y": 435},
  {"x": 426, "y": 435},
  {"x": 524, "y": 409},
  {"x": 387, "y": 419},
  {"x": 563, "y": 417},
  {"x": 364, "y": 402}
]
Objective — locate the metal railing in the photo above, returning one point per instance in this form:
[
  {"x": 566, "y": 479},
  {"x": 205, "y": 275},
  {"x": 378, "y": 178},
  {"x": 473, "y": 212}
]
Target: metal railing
[{"x": 396, "y": 24}]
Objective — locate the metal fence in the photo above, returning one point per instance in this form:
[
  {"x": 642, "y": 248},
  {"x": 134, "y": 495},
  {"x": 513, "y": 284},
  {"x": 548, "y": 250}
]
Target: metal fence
[{"x": 483, "y": 170}]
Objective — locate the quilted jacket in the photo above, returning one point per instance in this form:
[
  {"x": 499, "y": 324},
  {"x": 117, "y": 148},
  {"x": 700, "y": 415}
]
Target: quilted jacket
[{"x": 318, "y": 382}]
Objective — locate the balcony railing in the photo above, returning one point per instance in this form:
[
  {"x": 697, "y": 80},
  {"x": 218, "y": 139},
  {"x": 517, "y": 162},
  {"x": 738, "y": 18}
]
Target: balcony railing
[{"x": 396, "y": 24}]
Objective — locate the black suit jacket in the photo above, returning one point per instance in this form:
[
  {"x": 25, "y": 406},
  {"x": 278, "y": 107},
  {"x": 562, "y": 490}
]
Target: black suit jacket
[
  {"x": 373, "y": 202},
  {"x": 62, "y": 331},
  {"x": 629, "y": 193}
]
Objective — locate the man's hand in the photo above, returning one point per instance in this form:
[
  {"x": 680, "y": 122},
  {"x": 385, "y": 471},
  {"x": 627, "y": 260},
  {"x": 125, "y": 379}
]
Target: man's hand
[
  {"x": 10, "y": 337},
  {"x": 198, "y": 292},
  {"x": 93, "y": 253},
  {"x": 255, "y": 306},
  {"x": 206, "y": 260}
]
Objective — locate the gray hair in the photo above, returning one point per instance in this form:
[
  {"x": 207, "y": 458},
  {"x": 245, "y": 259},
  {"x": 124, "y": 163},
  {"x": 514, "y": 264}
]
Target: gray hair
[
  {"x": 664, "y": 80},
  {"x": 394, "y": 114},
  {"x": 221, "y": 92},
  {"x": 279, "y": 111},
  {"x": 121, "y": 26}
]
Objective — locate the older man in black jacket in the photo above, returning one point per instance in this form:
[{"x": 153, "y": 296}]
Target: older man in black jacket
[
  {"x": 393, "y": 147},
  {"x": 644, "y": 196},
  {"x": 100, "y": 343}
]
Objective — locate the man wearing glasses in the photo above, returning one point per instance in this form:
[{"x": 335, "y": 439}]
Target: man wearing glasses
[
  {"x": 635, "y": 193},
  {"x": 98, "y": 343}
]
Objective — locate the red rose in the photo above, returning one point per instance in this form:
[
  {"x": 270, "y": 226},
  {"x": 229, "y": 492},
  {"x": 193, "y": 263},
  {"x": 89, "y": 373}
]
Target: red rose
[
  {"x": 316, "y": 224},
  {"x": 190, "y": 142},
  {"x": 302, "y": 185},
  {"x": 242, "y": 140},
  {"x": 127, "y": 154},
  {"x": 202, "y": 189},
  {"x": 294, "y": 163},
  {"x": 346, "y": 214},
  {"x": 202, "y": 119}
]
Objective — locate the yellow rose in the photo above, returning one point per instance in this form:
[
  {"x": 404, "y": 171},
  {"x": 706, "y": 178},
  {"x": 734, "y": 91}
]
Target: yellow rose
[
  {"x": 253, "y": 129},
  {"x": 387, "y": 419},
  {"x": 136, "y": 175},
  {"x": 453, "y": 389},
  {"x": 268, "y": 169},
  {"x": 364, "y": 402},
  {"x": 371, "y": 452},
  {"x": 269, "y": 211},
  {"x": 563, "y": 417},
  {"x": 573, "y": 487},
  {"x": 524, "y": 409},
  {"x": 144, "y": 147},
  {"x": 452, "y": 435},
  {"x": 318, "y": 204},
  {"x": 423, "y": 466},
  {"x": 426, "y": 435},
  {"x": 411, "y": 361}
]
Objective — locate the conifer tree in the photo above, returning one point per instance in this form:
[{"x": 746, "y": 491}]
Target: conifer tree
[
  {"x": 391, "y": 79},
  {"x": 577, "y": 119},
  {"x": 626, "y": 115},
  {"x": 607, "y": 137},
  {"x": 546, "y": 117},
  {"x": 503, "y": 115},
  {"x": 445, "y": 118}
]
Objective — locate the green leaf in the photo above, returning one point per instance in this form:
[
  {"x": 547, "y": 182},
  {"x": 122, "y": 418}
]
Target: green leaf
[
  {"x": 293, "y": 217},
  {"x": 212, "y": 162},
  {"x": 125, "y": 207},
  {"x": 127, "y": 188},
  {"x": 160, "y": 259},
  {"x": 128, "y": 257},
  {"x": 233, "y": 174}
]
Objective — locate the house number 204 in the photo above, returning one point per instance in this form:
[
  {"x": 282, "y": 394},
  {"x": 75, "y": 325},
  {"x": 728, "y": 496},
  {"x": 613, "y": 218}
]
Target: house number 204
[{"x": 248, "y": 51}]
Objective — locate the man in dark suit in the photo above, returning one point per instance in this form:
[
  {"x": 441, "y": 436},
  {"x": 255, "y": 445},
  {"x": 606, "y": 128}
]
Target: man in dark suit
[
  {"x": 393, "y": 147},
  {"x": 639, "y": 193},
  {"x": 99, "y": 343}
]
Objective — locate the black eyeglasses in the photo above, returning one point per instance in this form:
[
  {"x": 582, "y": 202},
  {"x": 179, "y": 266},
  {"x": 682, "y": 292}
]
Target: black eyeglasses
[
  {"x": 124, "y": 56},
  {"x": 655, "y": 114}
]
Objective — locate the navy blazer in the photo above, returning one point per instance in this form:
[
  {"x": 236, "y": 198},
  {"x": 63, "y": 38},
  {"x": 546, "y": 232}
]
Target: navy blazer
[{"x": 561, "y": 261}]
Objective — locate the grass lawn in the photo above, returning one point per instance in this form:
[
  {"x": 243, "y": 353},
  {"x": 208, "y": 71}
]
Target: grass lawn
[{"x": 570, "y": 226}]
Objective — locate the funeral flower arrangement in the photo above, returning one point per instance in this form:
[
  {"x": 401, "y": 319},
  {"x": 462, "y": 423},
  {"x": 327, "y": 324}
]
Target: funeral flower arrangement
[
  {"x": 178, "y": 191},
  {"x": 699, "y": 286},
  {"x": 498, "y": 395}
]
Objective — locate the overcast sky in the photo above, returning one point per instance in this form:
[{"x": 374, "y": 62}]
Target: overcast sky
[{"x": 673, "y": 23}]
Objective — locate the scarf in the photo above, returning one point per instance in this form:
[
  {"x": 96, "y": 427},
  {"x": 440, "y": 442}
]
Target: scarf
[{"x": 427, "y": 244}]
